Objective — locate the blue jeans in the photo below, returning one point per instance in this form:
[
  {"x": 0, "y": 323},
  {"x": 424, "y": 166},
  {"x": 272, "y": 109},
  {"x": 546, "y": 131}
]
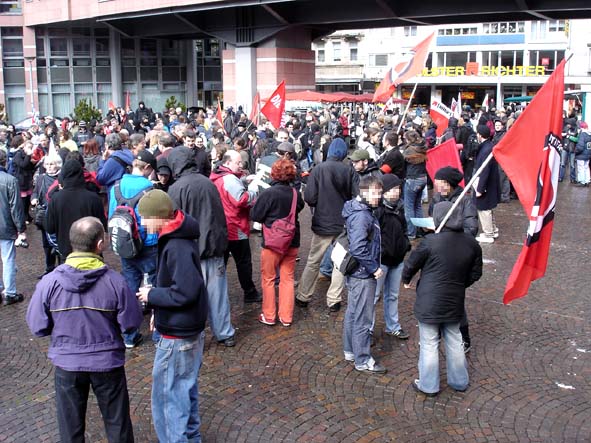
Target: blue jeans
[
  {"x": 390, "y": 283},
  {"x": 8, "y": 253},
  {"x": 457, "y": 366},
  {"x": 357, "y": 322},
  {"x": 567, "y": 157},
  {"x": 413, "y": 191},
  {"x": 326, "y": 264},
  {"x": 133, "y": 270},
  {"x": 175, "y": 389},
  {"x": 214, "y": 275}
]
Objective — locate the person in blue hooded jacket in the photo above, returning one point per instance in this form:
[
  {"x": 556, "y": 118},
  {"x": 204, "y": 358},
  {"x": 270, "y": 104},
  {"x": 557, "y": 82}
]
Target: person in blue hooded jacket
[
  {"x": 329, "y": 186},
  {"x": 116, "y": 161},
  {"x": 365, "y": 244}
]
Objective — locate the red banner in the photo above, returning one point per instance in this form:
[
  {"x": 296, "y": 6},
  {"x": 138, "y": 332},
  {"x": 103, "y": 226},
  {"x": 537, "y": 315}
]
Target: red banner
[{"x": 446, "y": 154}]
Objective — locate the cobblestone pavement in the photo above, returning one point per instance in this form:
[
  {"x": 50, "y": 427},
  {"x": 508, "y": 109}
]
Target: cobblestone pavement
[{"x": 530, "y": 364}]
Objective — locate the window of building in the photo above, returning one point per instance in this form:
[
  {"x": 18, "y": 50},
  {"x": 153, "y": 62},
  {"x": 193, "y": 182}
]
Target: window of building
[
  {"x": 503, "y": 28},
  {"x": 40, "y": 47},
  {"x": 456, "y": 59},
  {"x": 378, "y": 59},
  {"x": 12, "y": 47},
  {"x": 320, "y": 56},
  {"x": 556, "y": 25},
  {"x": 102, "y": 47},
  {"x": 81, "y": 46},
  {"x": 353, "y": 51},
  {"x": 336, "y": 51},
  {"x": 410, "y": 31},
  {"x": 58, "y": 47}
]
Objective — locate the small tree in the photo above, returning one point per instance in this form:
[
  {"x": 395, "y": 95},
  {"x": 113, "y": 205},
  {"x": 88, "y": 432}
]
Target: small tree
[
  {"x": 84, "y": 110},
  {"x": 171, "y": 102}
]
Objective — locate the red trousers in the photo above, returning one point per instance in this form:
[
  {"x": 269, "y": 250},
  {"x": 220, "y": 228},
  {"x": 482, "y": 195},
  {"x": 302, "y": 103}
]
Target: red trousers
[{"x": 270, "y": 262}]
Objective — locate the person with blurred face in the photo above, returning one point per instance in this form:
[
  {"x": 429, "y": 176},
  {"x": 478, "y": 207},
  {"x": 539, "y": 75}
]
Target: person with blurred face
[
  {"x": 395, "y": 245},
  {"x": 363, "y": 233}
]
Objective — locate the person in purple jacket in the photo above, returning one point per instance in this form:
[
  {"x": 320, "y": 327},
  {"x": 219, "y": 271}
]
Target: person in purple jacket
[{"x": 85, "y": 307}]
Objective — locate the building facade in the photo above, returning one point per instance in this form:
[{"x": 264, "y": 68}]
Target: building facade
[
  {"x": 49, "y": 68},
  {"x": 502, "y": 59}
]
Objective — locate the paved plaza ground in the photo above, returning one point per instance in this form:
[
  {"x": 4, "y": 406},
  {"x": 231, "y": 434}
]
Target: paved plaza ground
[{"x": 530, "y": 364}]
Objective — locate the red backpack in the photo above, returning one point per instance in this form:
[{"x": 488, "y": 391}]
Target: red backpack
[{"x": 280, "y": 235}]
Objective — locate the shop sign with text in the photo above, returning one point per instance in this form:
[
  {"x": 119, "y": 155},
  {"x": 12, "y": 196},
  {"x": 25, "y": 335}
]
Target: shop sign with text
[{"x": 484, "y": 71}]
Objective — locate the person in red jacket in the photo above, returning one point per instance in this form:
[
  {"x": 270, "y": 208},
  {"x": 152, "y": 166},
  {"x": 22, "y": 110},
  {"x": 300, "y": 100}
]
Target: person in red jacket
[{"x": 237, "y": 200}]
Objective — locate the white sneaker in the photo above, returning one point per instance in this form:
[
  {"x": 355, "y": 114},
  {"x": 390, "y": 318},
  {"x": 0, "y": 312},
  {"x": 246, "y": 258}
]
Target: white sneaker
[
  {"x": 349, "y": 356},
  {"x": 485, "y": 239}
]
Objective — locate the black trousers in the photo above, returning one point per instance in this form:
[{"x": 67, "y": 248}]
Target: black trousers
[
  {"x": 240, "y": 250},
  {"x": 110, "y": 389}
]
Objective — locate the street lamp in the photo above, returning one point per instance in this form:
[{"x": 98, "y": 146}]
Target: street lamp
[{"x": 31, "y": 60}]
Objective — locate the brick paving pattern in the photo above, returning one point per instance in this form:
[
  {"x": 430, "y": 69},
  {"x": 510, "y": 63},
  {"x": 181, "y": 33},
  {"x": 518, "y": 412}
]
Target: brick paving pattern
[{"x": 530, "y": 364}]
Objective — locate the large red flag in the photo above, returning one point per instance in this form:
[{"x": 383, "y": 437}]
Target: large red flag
[
  {"x": 275, "y": 106},
  {"x": 254, "y": 113},
  {"x": 404, "y": 70},
  {"x": 446, "y": 154},
  {"x": 385, "y": 89},
  {"x": 440, "y": 114},
  {"x": 534, "y": 137}
]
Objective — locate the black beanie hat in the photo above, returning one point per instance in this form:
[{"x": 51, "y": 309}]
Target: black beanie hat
[
  {"x": 483, "y": 130},
  {"x": 390, "y": 181},
  {"x": 451, "y": 175}
]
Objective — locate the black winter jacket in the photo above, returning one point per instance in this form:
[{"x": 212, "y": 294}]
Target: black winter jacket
[
  {"x": 24, "y": 170},
  {"x": 488, "y": 181},
  {"x": 330, "y": 185},
  {"x": 395, "y": 243},
  {"x": 12, "y": 215},
  {"x": 449, "y": 261},
  {"x": 196, "y": 195},
  {"x": 467, "y": 209},
  {"x": 274, "y": 203},
  {"x": 71, "y": 203},
  {"x": 179, "y": 298}
]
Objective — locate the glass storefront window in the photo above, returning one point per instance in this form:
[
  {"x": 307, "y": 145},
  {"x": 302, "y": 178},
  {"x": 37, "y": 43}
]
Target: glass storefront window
[
  {"x": 148, "y": 48},
  {"x": 40, "y": 47},
  {"x": 12, "y": 47},
  {"x": 58, "y": 47},
  {"x": 102, "y": 47},
  {"x": 81, "y": 46}
]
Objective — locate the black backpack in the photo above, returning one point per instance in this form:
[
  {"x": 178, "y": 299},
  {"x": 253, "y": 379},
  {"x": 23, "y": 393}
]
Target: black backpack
[
  {"x": 126, "y": 241},
  {"x": 470, "y": 148}
]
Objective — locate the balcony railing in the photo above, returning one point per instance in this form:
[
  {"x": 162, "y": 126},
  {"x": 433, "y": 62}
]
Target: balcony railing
[{"x": 10, "y": 7}]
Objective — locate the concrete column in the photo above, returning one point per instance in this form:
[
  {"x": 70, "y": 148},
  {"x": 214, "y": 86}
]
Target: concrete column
[
  {"x": 286, "y": 56},
  {"x": 191, "y": 61},
  {"x": 30, "y": 54},
  {"x": 116, "y": 77},
  {"x": 246, "y": 77}
]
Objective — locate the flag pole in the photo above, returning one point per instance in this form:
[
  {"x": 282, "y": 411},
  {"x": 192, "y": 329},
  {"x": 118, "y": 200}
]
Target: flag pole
[
  {"x": 464, "y": 192},
  {"x": 407, "y": 107}
]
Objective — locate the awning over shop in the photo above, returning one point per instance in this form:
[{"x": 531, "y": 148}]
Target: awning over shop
[{"x": 334, "y": 97}]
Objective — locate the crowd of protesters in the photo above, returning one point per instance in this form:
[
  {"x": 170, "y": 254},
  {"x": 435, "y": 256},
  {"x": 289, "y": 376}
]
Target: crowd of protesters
[{"x": 196, "y": 188}]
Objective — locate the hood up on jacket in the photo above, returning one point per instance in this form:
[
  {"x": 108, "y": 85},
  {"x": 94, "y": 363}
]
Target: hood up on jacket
[
  {"x": 180, "y": 160},
  {"x": 455, "y": 221},
  {"x": 337, "y": 149},
  {"x": 71, "y": 175}
]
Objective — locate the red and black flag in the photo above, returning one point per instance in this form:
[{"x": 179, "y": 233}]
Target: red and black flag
[{"x": 530, "y": 155}]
